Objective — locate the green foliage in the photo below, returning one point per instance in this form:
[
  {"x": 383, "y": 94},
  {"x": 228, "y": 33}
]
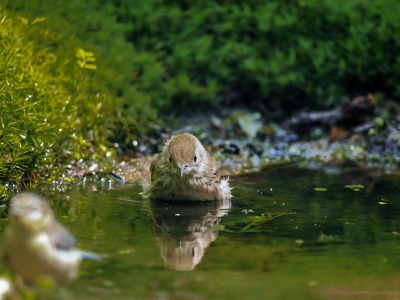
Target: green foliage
[
  {"x": 275, "y": 55},
  {"x": 91, "y": 25},
  {"x": 301, "y": 52},
  {"x": 48, "y": 111}
]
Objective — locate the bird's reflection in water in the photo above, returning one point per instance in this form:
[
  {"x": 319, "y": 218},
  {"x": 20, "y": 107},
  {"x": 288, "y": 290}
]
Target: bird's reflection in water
[{"x": 184, "y": 230}]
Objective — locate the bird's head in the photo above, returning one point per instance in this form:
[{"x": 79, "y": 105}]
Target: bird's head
[
  {"x": 30, "y": 213},
  {"x": 185, "y": 153}
]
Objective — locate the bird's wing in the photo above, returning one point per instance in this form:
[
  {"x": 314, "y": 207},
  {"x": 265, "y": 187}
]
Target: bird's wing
[
  {"x": 61, "y": 237},
  {"x": 214, "y": 173},
  {"x": 217, "y": 173}
]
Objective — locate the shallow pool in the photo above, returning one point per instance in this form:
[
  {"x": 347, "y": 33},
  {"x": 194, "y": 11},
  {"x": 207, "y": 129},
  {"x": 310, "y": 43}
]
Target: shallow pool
[{"x": 288, "y": 233}]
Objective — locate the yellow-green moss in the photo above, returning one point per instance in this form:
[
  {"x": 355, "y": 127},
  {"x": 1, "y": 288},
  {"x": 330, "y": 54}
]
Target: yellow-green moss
[{"x": 48, "y": 108}]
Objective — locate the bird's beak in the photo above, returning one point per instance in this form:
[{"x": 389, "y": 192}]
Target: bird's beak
[{"x": 183, "y": 169}]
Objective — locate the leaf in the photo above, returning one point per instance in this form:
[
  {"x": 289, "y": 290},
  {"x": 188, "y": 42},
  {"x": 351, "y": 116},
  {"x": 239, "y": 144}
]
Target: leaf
[
  {"x": 250, "y": 123},
  {"x": 23, "y": 20},
  {"x": 254, "y": 223},
  {"x": 354, "y": 186},
  {"x": 38, "y": 20},
  {"x": 90, "y": 66}
]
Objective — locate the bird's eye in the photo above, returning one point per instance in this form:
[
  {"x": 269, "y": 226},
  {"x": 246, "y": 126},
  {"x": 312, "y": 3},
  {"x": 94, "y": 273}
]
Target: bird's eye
[
  {"x": 170, "y": 160},
  {"x": 195, "y": 158}
]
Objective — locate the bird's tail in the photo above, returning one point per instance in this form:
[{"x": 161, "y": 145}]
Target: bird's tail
[
  {"x": 89, "y": 255},
  {"x": 226, "y": 189}
]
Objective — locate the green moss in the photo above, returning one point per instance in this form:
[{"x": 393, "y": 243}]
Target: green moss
[
  {"x": 92, "y": 25},
  {"x": 48, "y": 110}
]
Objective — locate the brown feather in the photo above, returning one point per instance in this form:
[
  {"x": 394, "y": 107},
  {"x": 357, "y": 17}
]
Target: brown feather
[
  {"x": 182, "y": 148},
  {"x": 186, "y": 171}
]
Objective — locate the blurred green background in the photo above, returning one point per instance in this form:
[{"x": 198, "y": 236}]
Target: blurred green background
[{"x": 99, "y": 72}]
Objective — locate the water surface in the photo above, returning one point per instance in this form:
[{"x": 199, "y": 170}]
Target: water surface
[{"x": 289, "y": 233}]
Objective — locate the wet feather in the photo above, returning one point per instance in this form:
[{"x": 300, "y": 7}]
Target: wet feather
[{"x": 185, "y": 170}]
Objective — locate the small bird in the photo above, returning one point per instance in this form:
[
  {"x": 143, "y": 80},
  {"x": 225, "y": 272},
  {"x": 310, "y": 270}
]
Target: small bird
[
  {"x": 36, "y": 245},
  {"x": 185, "y": 170}
]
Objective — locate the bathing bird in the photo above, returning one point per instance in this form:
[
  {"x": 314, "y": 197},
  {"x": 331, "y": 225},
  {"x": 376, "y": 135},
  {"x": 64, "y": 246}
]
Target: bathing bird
[
  {"x": 36, "y": 245},
  {"x": 185, "y": 170}
]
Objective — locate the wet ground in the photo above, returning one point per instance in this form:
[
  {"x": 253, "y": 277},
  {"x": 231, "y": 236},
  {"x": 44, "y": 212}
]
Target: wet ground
[{"x": 288, "y": 233}]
